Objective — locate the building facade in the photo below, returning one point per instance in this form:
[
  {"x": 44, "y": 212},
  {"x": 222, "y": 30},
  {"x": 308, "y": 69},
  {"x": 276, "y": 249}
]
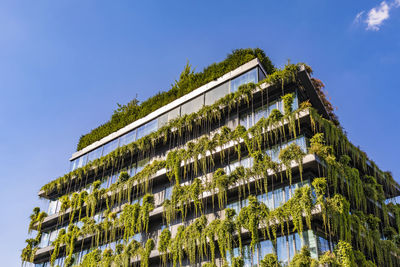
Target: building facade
[{"x": 247, "y": 165}]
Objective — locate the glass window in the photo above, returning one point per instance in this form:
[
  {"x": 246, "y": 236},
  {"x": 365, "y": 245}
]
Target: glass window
[
  {"x": 278, "y": 198},
  {"x": 128, "y": 138},
  {"x": 151, "y": 126},
  {"x": 291, "y": 246},
  {"x": 132, "y": 170},
  {"x": 232, "y": 166},
  {"x": 174, "y": 113},
  {"x": 146, "y": 129},
  {"x": 287, "y": 193},
  {"x": 266, "y": 247},
  {"x": 95, "y": 154},
  {"x": 248, "y": 77},
  {"x": 234, "y": 205},
  {"x": 298, "y": 242},
  {"x": 282, "y": 249},
  {"x": 72, "y": 165},
  {"x": 44, "y": 241},
  {"x": 103, "y": 182},
  {"x": 110, "y": 146},
  {"x": 53, "y": 235},
  {"x": 162, "y": 120},
  {"x": 79, "y": 224},
  {"x": 113, "y": 178},
  {"x": 58, "y": 206},
  {"x": 232, "y": 121},
  {"x": 193, "y": 105},
  {"x": 141, "y": 164},
  {"x": 81, "y": 161},
  {"x": 214, "y": 94},
  {"x": 295, "y": 104},
  {"x": 261, "y": 75},
  {"x": 244, "y": 120},
  {"x": 141, "y": 132},
  {"x": 52, "y": 207},
  {"x": 97, "y": 218},
  {"x": 261, "y": 112},
  {"x": 168, "y": 193},
  {"x": 312, "y": 243},
  {"x": 137, "y": 237}
]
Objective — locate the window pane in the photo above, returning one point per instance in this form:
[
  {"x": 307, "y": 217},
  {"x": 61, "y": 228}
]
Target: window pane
[
  {"x": 140, "y": 132},
  {"x": 261, "y": 112},
  {"x": 162, "y": 120},
  {"x": 193, "y": 105},
  {"x": 141, "y": 164},
  {"x": 298, "y": 242},
  {"x": 128, "y": 138},
  {"x": 174, "y": 113},
  {"x": 270, "y": 200},
  {"x": 104, "y": 182},
  {"x": 72, "y": 165},
  {"x": 291, "y": 246},
  {"x": 282, "y": 249},
  {"x": 243, "y": 120},
  {"x": 132, "y": 170},
  {"x": 146, "y": 129},
  {"x": 261, "y": 75},
  {"x": 110, "y": 146},
  {"x": 213, "y": 95},
  {"x": 52, "y": 207},
  {"x": 266, "y": 247},
  {"x": 152, "y": 126},
  {"x": 287, "y": 193},
  {"x": 250, "y": 76},
  {"x": 95, "y": 154},
  {"x": 168, "y": 193},
  {"x": 295, "y": 104},
  {"x": 81, "y": 161},
  {"x": 278, "y": 197}
]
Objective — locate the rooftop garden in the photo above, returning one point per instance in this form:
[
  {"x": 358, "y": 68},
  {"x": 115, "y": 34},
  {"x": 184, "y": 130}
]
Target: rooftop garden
[{"x": 188, "y": 81}]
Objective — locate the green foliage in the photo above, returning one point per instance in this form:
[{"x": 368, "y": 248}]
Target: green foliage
[
  {"x": 37, "y": 217},
  {"x": 276, "y": 115},
  {"x": 163, "y": 245},
  {"x": 344, "y": 254},
  {"x": 28, "y": 253},
  {"x": 123, "y": 177},
  {"x": 147, "y": 207},
  {"x": 291, "y": 153},
  {"x": 287, "y": 103},
  {"x": 144, "y": 260},
  {"x": 237, "y": 262},
  {"x": 93, "y": 258},
  {"x": 176, "y": 246},
  {"x": 361, "y": 261},
  {"x": 251, "y": 217},
  {"x": 220, "y": 182},
  {"x": 302, "y": 258},
  {"x": 270, "y": 260},
  {"x": 130, "y": 220}
]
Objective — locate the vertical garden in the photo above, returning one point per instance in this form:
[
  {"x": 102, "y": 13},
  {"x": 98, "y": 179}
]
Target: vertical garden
[{"x": 263, "y": 176}]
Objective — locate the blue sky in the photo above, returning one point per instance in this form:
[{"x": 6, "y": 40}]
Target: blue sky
[{"x": 65, "y": 64}]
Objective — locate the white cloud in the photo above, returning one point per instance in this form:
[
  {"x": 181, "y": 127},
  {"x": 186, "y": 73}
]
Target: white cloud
[
  {"x": 359, "y": 16},
  {"x": 377, "y": 15}
]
